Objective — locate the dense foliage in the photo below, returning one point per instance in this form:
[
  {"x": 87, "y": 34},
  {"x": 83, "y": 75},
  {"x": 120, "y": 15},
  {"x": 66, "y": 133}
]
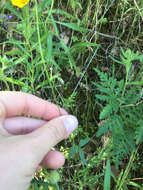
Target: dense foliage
[{"x": 84, "y": 55}]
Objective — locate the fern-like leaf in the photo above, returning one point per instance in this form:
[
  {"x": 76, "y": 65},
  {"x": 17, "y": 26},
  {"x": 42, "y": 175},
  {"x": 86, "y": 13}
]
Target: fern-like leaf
[
  {"x": 139, "y": 132},
  {"x": 107, "y": 110}
]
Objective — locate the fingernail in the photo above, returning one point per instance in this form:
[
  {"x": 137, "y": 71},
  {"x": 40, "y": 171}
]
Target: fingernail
[{"x": 71, "y": 124}]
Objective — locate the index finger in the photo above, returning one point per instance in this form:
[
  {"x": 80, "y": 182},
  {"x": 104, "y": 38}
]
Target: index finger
[{"x": 16, "y": 103}]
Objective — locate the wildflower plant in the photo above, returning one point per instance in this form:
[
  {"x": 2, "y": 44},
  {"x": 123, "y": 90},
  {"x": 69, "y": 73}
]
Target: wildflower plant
[{"x": 122, "y": 113}]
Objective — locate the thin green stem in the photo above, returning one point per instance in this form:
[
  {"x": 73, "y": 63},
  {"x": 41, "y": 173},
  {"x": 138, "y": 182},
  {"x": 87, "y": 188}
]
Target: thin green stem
[
  {"x": 125, "y": 86},
  {"x": 38, "y": 33},
  {"x": 127, "y": 169},
  {"x": 57, "y": 187},
  {"x": 41, "y": 51},
  {"x": 27, "y": 35}
]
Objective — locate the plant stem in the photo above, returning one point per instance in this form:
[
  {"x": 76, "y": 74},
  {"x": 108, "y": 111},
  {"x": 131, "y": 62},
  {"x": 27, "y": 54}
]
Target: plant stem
[
  {"x": 125, "y": 86},
  {"x": 41, "y": 51}
]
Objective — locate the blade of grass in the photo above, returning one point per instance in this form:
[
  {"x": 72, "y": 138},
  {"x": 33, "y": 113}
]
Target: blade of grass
[{"x": 107, "y": 176}]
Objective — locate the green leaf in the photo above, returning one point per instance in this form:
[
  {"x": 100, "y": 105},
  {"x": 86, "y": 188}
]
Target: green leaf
[
  {"x": 73, "y": 149},
  {"x": 136, "y": 83},
  {"x": 107, "y": 176},
  {"x": 103, "y": 97},
  {"x": 49, "y": 45},
  {"x": 82, "y": 44},
  {"x": 116, "y": 125},
  {"x": 135, "y": 185},
  {"x": 139, "y": 132},
  {"x": 62, "y": 12},
  {"x": 35, "y": 186},
  {"x": 13, "y": 81},
  {"x": 13, "y": 52},
  {"x": 107, "y": 110},
  {"x": 120, "y": 88},
  {"x": 81, "y": 154},
  {"x": 103, "y": 76},
  {"x": 84, "y": 142},
  {"x": 103, "y": 129},
  {"x": 19, "y": 45},
  {"x": 71, "y": 60},
  {"x": 115, "y": 60},
  {"x": 73, "y": 26},
  {"x": 53, "y": 176},
  {"x": 102, "y": 88},
  {"x": 25, "y": 87}
]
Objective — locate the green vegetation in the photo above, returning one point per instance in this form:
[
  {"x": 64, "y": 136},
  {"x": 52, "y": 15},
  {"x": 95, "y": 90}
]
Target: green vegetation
[{"x": 86, "y": 56}]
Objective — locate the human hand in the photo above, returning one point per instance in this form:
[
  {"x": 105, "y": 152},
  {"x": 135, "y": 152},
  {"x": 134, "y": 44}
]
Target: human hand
[{"x": 25, "y": 143}]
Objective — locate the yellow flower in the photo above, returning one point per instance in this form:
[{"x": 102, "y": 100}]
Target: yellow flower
[{"x": 19, "y": 3}]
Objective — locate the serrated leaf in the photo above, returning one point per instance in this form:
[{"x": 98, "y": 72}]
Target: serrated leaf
[
  {"x": 107, "y": 110},
  {"x": 120, "y": 87},
  {"x": 116, "y": 124},
  {"x": 103, "y": 76},
  {"x": 139, "y": 132},
  {"x": 102, "y": 97},
  {"x": 102, "y": 88},
  {"x": 103, "y": 129}
]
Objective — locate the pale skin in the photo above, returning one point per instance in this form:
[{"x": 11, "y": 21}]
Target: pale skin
[{"x": 25, "y": 143}]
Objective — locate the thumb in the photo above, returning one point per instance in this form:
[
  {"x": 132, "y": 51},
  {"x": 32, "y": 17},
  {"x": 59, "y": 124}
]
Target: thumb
[{"x": 47, "y": 136}]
